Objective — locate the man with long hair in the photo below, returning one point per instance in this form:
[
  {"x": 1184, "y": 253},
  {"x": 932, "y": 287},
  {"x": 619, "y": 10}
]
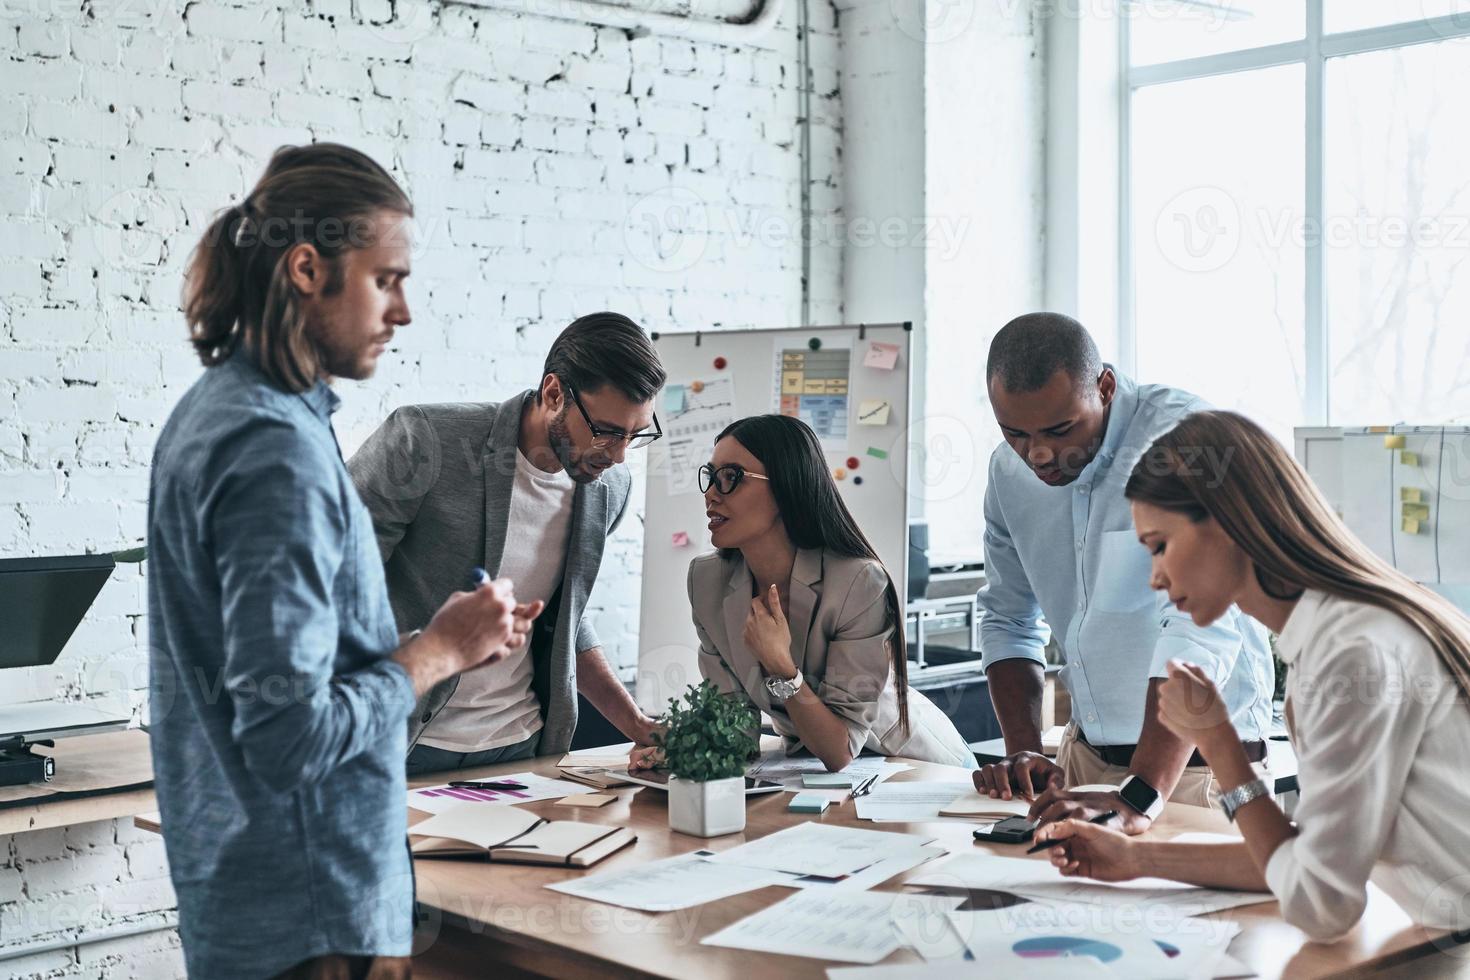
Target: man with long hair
[
  {"x": 1060, "y": 547},
  {"x": 279, "y": 685},
  {"x": 530, "y": 488}
]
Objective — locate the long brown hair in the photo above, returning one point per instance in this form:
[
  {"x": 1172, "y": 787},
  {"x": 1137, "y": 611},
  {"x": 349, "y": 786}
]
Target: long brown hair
[
  {"x": 1224, "y": 466},
  {"x": 815, "y": 516},
  {"x": 237, "y": 292}
]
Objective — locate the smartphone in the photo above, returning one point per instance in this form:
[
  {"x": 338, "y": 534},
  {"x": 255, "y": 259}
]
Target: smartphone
[{"x": 1011, "y": 830}]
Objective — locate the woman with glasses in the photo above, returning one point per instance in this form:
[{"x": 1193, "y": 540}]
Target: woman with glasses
[{"x": 796, "y": 613}]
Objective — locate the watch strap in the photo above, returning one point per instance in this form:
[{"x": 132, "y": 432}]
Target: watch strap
[{"x": 1241, "y": 795}]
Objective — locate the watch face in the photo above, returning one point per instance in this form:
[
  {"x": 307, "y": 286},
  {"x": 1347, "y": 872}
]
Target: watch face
[{"x": 1138, "y": 794}]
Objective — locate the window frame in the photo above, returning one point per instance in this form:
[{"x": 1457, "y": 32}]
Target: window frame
[{"x": 1313, "y": 51}]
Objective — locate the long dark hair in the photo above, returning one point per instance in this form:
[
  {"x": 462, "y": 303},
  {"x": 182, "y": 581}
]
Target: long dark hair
[
  {"x": 237, "y": 292},
  {"x": 1224, "y": 466},
  {"x": 814, "y": 514}
]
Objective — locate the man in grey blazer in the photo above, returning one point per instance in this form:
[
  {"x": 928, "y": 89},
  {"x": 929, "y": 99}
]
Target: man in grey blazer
[{"x": 527, "y": 489}]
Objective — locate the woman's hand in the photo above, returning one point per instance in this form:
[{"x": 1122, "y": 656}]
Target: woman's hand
[
  {"x": 768, "y": 636},
  {"x": 1088, "y": 850},
  {"x": 1191, "y": 707}
]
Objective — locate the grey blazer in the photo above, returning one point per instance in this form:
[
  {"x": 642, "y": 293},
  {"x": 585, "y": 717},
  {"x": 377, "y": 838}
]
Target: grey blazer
[
  {"x": 437, "y": 480},
  {"x": 840, "y": 635}
]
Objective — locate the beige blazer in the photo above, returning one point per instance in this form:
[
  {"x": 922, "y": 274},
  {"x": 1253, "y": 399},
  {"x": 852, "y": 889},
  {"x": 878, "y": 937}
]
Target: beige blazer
[{"x": 840, "y": 635}]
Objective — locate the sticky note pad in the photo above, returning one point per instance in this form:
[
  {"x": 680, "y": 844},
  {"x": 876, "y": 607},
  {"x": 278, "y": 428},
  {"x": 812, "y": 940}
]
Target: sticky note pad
[
  {"x": 1410, "y": 526},
  {"x": 1393, "y": 442},
  {"x": 873, "y": 411},
  {"x": 881, "y": 356},
  {"x": 587, "y": 799},
  {"x": 877, "y": 453},
  {"x": 1408, "y": 458},
  {"x": 826, "y": 780},
  {"x": 808, "y": 803},
  {"x": 681, "y": 539},
  {"x": 1411, "y": 495}
]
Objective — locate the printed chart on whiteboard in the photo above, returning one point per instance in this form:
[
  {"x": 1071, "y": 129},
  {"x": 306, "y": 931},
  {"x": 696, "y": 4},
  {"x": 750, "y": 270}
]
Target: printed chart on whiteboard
[
  {"x": 813, "y": 386},
  {"x": 695, "y": 412}
]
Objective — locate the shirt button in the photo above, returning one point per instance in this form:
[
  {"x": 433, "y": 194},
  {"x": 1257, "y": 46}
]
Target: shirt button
[
  {"x": 1079, "y": 542},
  {"x": 427, "y": 716},
  {"x": 1092, "y": 717},
  {"x": 1082, "y": 489}
]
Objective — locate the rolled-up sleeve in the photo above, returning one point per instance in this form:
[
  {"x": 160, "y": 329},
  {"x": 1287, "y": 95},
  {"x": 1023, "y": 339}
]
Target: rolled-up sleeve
[
  {"x": 858, "y": 656},
  {"x": 279, "y": 531},
  {"x": 1215, "y": 647},
  {"x": 1353, "y": 767},
  {"x": 1010, "y": 615}
]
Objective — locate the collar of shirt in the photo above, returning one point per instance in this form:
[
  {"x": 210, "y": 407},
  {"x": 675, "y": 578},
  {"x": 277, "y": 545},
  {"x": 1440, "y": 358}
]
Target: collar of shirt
[
  {"x": 321, "y": 399},
  {"x": 1300, "y": 627},
  {"x": 1120, "y": 415}
]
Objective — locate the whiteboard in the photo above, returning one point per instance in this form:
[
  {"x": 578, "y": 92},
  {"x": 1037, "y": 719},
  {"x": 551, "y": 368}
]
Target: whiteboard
[
  {"x": 1379, "y": 477},
  {"x": 757, "y": 366}
]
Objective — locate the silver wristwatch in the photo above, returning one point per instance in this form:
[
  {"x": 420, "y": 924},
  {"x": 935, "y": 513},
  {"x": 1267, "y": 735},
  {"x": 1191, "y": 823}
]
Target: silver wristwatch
[
  {"x": 782, "y": 690},
  {"x": 1241, "y": 795}
]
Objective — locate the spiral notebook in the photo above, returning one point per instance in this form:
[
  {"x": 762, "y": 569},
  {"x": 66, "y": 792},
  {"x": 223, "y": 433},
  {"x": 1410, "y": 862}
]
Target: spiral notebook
[{"x": 510, "y": 834}]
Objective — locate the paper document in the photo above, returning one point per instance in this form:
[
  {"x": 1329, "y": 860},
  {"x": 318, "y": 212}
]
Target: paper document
[
  {"x": 895, "y": 802},
  {"x": 1036, "y": 878},
  {"x": 874, "y": 874},
  {"x": 776, "y": 766},
  {"x": 1060, "y": 968},
  {"x": 673, "y": 883},
  {"x": 822, "y": 850},
  {"x": 847, "y": 926},
  {"x": 979, "y": 806},
  {"x": 606, "y": 756},
  {"x": 437, "y": 799}
]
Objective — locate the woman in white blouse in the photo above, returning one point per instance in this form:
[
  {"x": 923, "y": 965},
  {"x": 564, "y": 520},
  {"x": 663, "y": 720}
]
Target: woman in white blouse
[{"x": 1375, "y": 694}]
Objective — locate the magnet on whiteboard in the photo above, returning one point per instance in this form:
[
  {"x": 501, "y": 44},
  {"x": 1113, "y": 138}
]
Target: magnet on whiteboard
[
  {"x": 815, "y": 343},
  {"x": 696, "y": 386},
  {"x": 720, "y": 363},
  {"x": 858, "y": 480},
  {"x": 852, "y": 462},
  {"x": 840, "y": 473}
]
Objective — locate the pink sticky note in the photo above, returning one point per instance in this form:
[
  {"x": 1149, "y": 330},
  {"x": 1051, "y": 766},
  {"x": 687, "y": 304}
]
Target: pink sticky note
[
  {"x": 681, "y": 539},
  {"x": 884, "y": 357}
]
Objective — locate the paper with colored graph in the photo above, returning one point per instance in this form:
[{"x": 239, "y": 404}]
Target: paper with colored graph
[{"x": 437, "y": 799}]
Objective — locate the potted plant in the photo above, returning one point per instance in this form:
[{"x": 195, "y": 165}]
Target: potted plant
[{"x": 706, "y": 740}]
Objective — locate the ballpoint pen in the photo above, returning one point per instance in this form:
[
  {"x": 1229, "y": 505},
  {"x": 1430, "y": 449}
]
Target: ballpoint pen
[
  {"x": 1100, "y": 818},
  {"x": 865, "y": 787},
  {"x": 472, "y": 784}
]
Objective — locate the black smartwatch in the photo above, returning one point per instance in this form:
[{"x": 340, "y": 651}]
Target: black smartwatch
[{"x": 1141, "y": 797}]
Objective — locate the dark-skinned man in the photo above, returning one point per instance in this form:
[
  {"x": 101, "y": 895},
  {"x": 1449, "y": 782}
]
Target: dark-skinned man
[{"x": 1061, "y": 553}]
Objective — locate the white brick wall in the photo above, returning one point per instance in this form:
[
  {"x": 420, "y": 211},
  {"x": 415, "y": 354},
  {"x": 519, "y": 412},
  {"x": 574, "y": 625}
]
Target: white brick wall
[{"x": 552, "y": 165}]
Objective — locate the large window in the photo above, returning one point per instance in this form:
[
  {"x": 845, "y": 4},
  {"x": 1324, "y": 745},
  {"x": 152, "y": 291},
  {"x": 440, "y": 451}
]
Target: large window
[{"x": 1297, "y": 206}]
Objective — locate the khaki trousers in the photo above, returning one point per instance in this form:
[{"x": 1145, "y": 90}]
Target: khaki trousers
[{"x": 1081, "y": 765}]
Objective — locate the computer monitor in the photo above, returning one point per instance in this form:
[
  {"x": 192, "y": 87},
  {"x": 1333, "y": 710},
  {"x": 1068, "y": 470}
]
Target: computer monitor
[{"x": 42, "y": 600}]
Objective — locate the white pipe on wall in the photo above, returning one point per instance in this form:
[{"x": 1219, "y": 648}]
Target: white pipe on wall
[{"x": 753, "y": 32}]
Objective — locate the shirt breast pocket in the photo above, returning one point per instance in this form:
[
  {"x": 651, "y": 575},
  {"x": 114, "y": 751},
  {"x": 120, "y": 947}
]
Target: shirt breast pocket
[{"x": 1121, "y": 584}]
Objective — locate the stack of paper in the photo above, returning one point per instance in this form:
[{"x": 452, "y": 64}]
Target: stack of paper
[
  {"x": 777, "y": 767},
  {"x": 904, "y": 802}
]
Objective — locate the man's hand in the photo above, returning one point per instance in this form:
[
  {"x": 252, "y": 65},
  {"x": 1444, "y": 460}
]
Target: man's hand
[
  {"x": 470, "y": 629},
  {"x": 1024, "y": 774},
  {"x": 522, "y": 619},
  {"x": 1091, "y": 851},
  {"x": 1060, "y": 804},
  {"x": 645, "y": 757},
  {"x": 648, "y": 728}
]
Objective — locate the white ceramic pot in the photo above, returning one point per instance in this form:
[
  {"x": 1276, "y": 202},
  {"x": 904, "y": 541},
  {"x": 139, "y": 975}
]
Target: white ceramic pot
[{"x": 707, "y": 809}]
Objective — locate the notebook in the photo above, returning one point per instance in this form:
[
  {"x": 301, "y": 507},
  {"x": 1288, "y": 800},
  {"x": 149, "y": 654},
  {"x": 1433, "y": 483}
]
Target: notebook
[
  {"x": 984, "y": 808},
  {"x": 600, "y": 778},
  {"x": 510, "y": 834}
]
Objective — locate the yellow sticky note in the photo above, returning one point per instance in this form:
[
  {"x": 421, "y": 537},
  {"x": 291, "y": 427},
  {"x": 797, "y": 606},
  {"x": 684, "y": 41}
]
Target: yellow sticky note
[
  {"x": 1411, "y": 495},
  {"x": 873, "y": 411},
  {"x": 1393, "y": 442},
  {"x": 1410, "y": 526},
  {"x": 791, "y": 382},
  {"x": 1419, "y": 512},
  {"x": 587, "y": 799},
  {"x": 1408, "y": 458}
]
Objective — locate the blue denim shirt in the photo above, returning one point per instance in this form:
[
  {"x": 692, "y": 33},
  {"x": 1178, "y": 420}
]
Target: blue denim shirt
[
  {"x": 278, "y": 721},
  {"x": 1070, "y": 556}
]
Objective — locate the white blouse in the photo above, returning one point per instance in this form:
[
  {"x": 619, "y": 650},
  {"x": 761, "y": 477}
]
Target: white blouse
[{"x": 1384, "y": 753}]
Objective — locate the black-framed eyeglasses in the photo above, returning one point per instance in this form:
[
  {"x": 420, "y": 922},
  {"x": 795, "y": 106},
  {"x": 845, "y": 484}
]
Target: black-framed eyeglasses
[
  {"x": 725, "y": 478},
  {"x": 607, "y": 438}
]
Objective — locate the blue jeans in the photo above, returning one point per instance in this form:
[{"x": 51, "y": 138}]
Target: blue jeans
[{"x": 426, "y": 758}]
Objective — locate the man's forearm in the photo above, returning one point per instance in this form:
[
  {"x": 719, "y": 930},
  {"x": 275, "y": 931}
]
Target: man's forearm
[
  {"x": 1016, "y": 688},
  {"x": 1161, "y": 756},
  {"x": 597, "y": 683}
]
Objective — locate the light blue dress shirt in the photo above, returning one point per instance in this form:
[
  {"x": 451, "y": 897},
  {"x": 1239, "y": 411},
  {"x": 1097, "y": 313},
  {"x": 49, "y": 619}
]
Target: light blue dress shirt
[{"x": 1068, "y": 557}]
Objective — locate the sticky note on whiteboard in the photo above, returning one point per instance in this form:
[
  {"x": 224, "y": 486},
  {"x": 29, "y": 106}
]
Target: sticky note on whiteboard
[
  {"x": 681, "y": 539},
  {"x": 881, "y": 356},
  {"x": 1393, "y": 442},
  {"x": 674, "y": 398},
  {"x": 873, "y": 411},
  {"x": 1410, "y": 526},
  {"x": 1418, "y": 512},
  {"x": 1411, "y": 495}
]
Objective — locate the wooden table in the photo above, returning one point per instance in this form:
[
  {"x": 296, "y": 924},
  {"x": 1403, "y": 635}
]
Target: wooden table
[
  {"x": 479, "y": 915},
  {"x": 98, "y": 777}
]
